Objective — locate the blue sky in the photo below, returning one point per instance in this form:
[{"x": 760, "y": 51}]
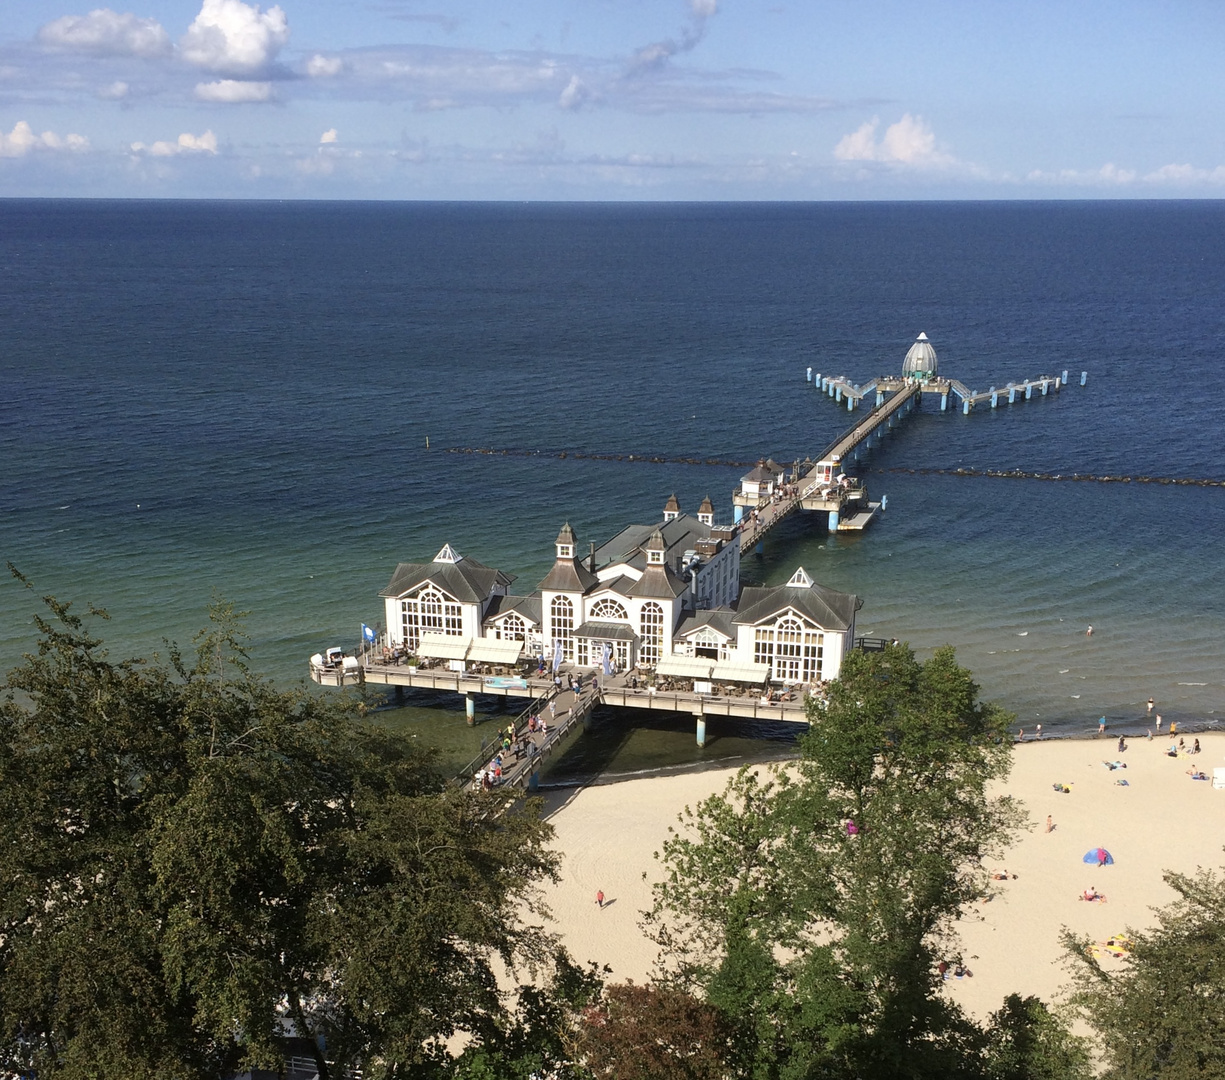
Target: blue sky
[{"x": 614, "y": 99}]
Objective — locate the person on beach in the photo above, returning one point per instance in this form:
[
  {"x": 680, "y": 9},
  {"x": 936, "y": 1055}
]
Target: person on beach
[
  {"x": 1122, "y": 744},
  {"x": 1020, "y": 735},
  {"x": 1151, "y": 703},
  {"x": 599, "y": 898},
  {"x": 1050, "y": 825},
  {"x": 1089, "y": 632},
  {"x": 1101, "y": 726},
  {"x": 1038, "y": 733},
  {"x": 1195, "y": 748},
  {"x": 1173, "y": 727}
]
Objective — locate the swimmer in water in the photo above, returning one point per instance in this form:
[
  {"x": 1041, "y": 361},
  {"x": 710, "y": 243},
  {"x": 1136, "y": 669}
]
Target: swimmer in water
[{"x": 1089, "y": 632}]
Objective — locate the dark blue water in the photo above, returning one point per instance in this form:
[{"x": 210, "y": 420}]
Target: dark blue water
[{"x": 235, "y": 397}]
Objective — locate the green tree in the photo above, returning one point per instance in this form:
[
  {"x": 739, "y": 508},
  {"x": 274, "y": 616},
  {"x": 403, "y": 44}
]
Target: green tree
[
  {"x": 1162, "y": 1012},
  {"x": 1026, "y": 1041},
  {"x": 192, "y": 859},
  {"x": 813, "y": 906}
]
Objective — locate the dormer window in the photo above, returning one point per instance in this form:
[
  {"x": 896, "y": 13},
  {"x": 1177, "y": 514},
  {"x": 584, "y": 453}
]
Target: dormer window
[
  {"x": 655, "y": 557},
  {"x": 565, "y": 551}
]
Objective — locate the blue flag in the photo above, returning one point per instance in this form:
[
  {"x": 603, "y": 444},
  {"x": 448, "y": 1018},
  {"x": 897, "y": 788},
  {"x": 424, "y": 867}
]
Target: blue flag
[{"x": 367, "y": 633}]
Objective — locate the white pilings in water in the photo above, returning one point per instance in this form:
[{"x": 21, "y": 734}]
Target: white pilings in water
[
  {"x": 809, "y": 379},
  {"x": 1084, "y": 377}
]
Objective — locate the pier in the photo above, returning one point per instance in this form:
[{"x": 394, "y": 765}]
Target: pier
[
  {"x": 658, "y": 616},
  {"x": 765, "y": 497}
]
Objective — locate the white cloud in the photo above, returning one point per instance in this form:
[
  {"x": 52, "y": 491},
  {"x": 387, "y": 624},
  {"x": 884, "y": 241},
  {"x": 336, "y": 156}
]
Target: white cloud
[
  {"x": 21, "y": 140},
  {"x": 229, "y": 35},
  {"x": 187, "y": 144},
  {"x": 234, "y": 91},
  {"x": 117, "y": 91},
  {"x": 328, "y": 136},
  {"x": 704, "y": 9},
  {"x": 908, "y": 142},
  {"x": 575, "y": 95},
  {"x": 324, "y": 67},
  {"x": 859, "y": 145},
  {"x": 107, "y": 33}
]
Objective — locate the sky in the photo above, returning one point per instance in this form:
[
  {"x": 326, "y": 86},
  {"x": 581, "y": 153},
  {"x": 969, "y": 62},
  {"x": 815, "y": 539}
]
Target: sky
[{"x": 614, "y": 99}]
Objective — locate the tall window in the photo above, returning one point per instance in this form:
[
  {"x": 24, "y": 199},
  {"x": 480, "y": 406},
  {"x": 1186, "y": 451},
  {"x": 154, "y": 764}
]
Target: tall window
[
  {"x": 651, "y": 630},
  {"x": 608, "y": 609},
  {"x": 561, "y": 611},
  {"x": 795, "y": 652},
  {"x": 429, "y": 612},
  {"x": 512, "y": 628}
]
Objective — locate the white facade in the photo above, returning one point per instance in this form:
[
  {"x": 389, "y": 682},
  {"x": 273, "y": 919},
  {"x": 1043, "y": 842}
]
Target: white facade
[{"x": 654, "y": 598}]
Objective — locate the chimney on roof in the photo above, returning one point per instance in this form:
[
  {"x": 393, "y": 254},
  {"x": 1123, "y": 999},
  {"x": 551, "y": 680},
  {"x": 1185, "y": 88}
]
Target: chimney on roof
[{"x": 591, "y": 558}]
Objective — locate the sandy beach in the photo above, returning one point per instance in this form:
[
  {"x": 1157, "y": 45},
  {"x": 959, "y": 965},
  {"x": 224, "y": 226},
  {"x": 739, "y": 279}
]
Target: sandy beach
[{"x": 1160, "y": 819}]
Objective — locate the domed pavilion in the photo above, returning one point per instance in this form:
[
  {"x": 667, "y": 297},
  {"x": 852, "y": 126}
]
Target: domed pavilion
[{"x": 920, "y": 362}]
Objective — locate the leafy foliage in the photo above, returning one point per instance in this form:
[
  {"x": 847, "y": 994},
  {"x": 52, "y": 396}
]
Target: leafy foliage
[
  {"x": 654, "y": 1033},
  {"x": 1026, "y": 1041},
  {"x": 812, "y": 906},
  {"x": 193, "y": 859},
  {"x": 1162, "y": 1014}
]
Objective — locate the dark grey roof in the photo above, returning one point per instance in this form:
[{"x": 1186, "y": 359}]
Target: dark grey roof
[
  {"x": 527, "y": 606},
  {"x": 657, "y": 581},
  {"x": 761, "y": 473},
  {"x": 681, "y": 534},
  {"x": 719, "y": 619},
  {"x": 621, "y": 585},
  {"x": 468, "y": 581},
  {"x": 568, "y": 575},
  {"x": 828, "y": 608},
  {"x": 612, "y": 630}
]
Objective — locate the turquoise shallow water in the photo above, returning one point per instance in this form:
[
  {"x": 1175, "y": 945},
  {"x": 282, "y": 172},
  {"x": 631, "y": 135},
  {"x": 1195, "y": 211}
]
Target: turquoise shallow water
[{"x": 235, "y": 398}]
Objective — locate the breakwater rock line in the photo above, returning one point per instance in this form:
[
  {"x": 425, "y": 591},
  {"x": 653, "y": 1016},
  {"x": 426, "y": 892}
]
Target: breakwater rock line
[{"x": 728, "y": 463}]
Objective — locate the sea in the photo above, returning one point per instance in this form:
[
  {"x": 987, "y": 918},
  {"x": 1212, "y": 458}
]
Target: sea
[{"x": 274, "y": 403}]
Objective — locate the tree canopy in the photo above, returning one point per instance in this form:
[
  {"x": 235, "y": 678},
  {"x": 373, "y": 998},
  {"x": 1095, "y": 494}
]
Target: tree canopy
[
  {"x": 195, "y": 863},
  {"x": 1160, "y": 1013},
  {"x": 813, "y": 904}
]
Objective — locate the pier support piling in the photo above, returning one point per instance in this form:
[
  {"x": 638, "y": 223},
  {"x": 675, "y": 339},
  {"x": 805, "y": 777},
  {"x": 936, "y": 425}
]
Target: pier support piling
[
  {"x": 809, "y": 375},
  {"x": 701, "y": 732},
  {"x": 1084, "y": 377},
  {"x": 470, "y": 709},
  {"x": 1029, "y": 391},
  {"x": 944, "y": 402},
  {"x": 1065, "y": 376},
  {"x": 833, "y": 521},
  {"x": 1012, "y": 394}
]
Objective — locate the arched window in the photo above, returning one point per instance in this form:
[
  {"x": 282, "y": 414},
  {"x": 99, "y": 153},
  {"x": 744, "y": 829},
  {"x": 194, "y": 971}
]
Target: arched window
[
  {"x": 429, "y": 612},
  {"x": 651, "y": 631},
  {"x": 512, "y": 628},
  {"x": 794, "y": 652},
  {"x": 608, "y": 609},
  {"x": 561, "y": 612}
]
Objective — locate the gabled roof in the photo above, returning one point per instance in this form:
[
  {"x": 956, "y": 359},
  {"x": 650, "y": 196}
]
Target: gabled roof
[
  {"x": 527, "y": 606},
  {"x": 718, "y": 619},
  {"x": 466, "y": 580},
  {"x": 826, "y": 607},
  {"x": 657, "y": 581},
  {"x": 629, "y": 546},
  {"x": 568, "y": 575}
]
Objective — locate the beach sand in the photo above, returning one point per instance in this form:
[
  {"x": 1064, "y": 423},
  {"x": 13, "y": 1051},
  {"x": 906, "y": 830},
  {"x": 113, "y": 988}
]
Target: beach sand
[{"x": 1162, "y": 819}]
